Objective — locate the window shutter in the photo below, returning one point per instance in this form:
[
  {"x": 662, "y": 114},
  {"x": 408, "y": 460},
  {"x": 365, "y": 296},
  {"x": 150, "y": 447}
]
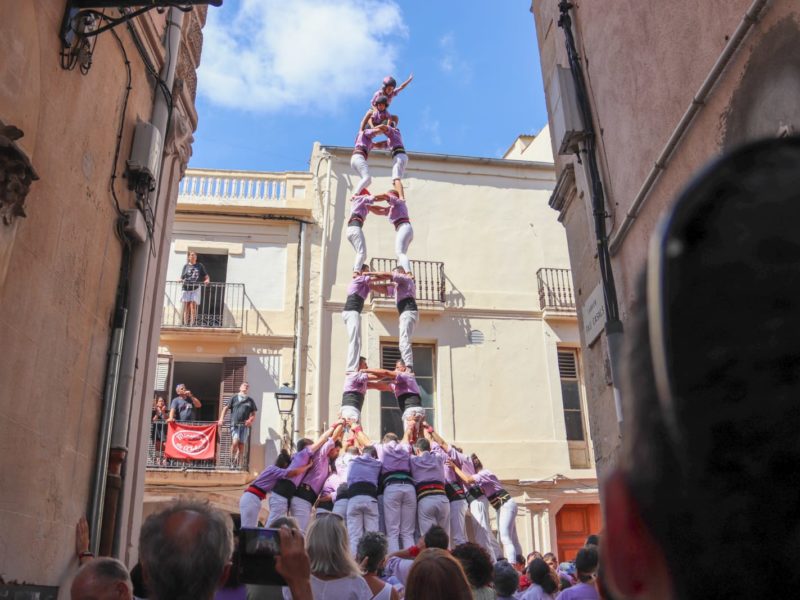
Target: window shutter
[
  {"x": 567, "y": 365},
  {"x": 163, "y": 370},
  {"x": 389, "y": 356},
  {"x": 233, "y": 373}
]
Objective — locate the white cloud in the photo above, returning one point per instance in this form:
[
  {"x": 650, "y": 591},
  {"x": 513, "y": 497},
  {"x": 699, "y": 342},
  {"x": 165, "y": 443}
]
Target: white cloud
[
  {"x": 306, "y": 54},
  {"x": 450, "y": 61}
]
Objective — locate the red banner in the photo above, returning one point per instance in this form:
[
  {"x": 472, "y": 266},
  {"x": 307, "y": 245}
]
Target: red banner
[{"x": 195, "y": 442}]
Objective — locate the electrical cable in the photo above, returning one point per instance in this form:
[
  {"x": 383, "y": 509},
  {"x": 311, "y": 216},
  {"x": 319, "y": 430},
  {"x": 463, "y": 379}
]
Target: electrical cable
[
  {"x": 120, "y": 128},
  {"x": 597, "y": 193}
]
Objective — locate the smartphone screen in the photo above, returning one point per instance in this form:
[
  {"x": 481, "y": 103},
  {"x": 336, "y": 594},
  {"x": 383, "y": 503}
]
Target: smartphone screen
[{"x": 257, "y": 551}]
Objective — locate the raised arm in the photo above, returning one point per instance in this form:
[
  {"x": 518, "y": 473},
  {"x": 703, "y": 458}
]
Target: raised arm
[
  {"x": 463, "y": 476},
  {"x": 403, "y": 85},
  {"x": 429, "y": 431},
  {"x": 195, "y": 402},
  {"x": 324, "y": 437}
]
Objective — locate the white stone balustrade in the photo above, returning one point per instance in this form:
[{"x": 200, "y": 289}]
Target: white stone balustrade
[{"x": 245, "y": 188}]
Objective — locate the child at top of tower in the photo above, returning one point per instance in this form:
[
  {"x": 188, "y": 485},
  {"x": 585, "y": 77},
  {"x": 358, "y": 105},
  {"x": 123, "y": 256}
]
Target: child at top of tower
[{"x": 389, "y": 89}]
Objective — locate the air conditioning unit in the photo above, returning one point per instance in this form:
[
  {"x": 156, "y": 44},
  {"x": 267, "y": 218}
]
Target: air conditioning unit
[{"x": 566, "y": 121}]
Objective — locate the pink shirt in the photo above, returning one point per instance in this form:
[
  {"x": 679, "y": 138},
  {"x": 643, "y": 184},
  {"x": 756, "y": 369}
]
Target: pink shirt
[
  {"x": 360, "y": 206},
  {"x": 331, "y": 485},
  {"x": 267, "y": 479},
  {"x": 364, "y": 469},
  {"x": 364, "y": 139},
  {"x": 428, "y": 466},
  {"x": 405, "y": 286},
  {"x": 300, "y": 459},
  {"x": 380, "y": 93},
  {"x": 395, "y": 456},
  {"x": 398, "y": 209},
  {"x": 356, "y": 382},
  {"x": 488, "y": 482},
  {"x": 359, "y": 285},
  {"x": 394, "y": 138},
  {"x": 405, "y": 383},
  {"x": 320, "y": 467}
]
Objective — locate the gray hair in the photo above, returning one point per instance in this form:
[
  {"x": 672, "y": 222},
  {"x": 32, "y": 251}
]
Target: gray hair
[
  {"x": 184, "y": 550},
  {"x": 329, "y": 549},
  {"x": 373, "y": 546},
  {"x": 106, "y": 571},
  {"x": 506, "y": 578}
]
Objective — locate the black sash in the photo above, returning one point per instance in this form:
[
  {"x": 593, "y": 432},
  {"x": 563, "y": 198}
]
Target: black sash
[
  {"x": 362, "y": 488},
  {"x": 354, "y": 302},
  {"x": 284, "y": 488},
  {"x": 354, "y": 399},
  {"x": 406, "y": 304},
  {"x": 409, "y": 400}
]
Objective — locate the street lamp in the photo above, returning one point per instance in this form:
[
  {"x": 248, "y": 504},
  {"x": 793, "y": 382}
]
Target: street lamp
[{"x": 285, "y": 398}]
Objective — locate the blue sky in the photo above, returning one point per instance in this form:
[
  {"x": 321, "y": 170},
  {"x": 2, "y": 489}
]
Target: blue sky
[{"x": 277, "y": 75}]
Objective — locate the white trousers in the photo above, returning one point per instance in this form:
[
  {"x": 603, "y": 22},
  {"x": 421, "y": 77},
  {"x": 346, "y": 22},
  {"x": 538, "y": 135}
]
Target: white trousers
[
  {"x": 458, "y": 512},
  {"x": 340, "y": 508},
  {"x": 362, "y": 516},
  {"x": 381, "y": 519},
  {"x": 351, "y": 413},
  {"x": 249, "y": 507},
  {"x": 355, "y": 235},
  {"x": 408, "y": 321},
  {"x": 399, "y": 165},
  {"x": 480, "y": 510},
  {"x": 278, "y": 507},
  {"x": 352, "y": 322},
  {"x": 507, "y": 526},
  {"x": 402, "y": 240},
  {"x": 400, "y": 512},
  {"x": 301, "y": 512},
  {"x": 433, "y": 510},
  {"x": 359, "y": 164}
]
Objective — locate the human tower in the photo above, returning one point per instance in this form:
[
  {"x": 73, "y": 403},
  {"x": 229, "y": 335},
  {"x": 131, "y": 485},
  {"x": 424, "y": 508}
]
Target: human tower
[{"x": 400, "y": 486}]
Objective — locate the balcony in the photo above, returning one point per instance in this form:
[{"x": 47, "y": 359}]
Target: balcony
[
  {"x": 288, "y": 192},
  {"x": 555, "y": 290},
  {"x": 157, "y": 460},
  {"x": 429, "y": 277},
  {"x": 221, "y": 307}
]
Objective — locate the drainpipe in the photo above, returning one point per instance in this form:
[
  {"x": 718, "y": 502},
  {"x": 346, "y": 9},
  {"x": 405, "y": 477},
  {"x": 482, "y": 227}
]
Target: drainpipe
[
  {"x": 300, "y": 322},
  {"x": 326, "y": 201},
  {"x": 137, "y": 284},
  {"x": 748, "y": 20}
]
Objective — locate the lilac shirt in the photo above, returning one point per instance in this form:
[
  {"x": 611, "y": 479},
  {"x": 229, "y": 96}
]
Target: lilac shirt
[
  {"x": 300, "y": 459},
  {"x": 364, "y": 469},
  {"x": 398, "y": 209},
  {"x": 318, "y": 473},
  {"x": 267, "y": 479},
  {"x": 360, "y": 205},
  {"x": 342, "y": 465},
  {"x": 450, "y": 474},
  {"x": 428, "y": 466},
  {"x": 395, "y": 456},
  {"x": 364, "y": 138},
  {"x": 356, "y": 382},
  {"x": 359, "y": 285},
  {"x": 331, "y": 485},
  {"x": 581, "y": 591},
  {"x": 405, "y": 383},
  {"x": 405, "y": 287},
  {"x": 394, "y": 137},
  {"x": 488, "y": 482},
  {"x": 380, "y": 93}
]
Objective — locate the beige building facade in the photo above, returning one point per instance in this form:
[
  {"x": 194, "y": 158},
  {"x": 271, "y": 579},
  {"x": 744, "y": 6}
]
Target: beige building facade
[
  {"x": 496, "y": 349},
  {"x": 670, "y": 86},
  {"x": 76, "y": 255}
]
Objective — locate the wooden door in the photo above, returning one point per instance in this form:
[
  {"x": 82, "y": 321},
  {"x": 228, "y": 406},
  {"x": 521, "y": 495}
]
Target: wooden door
[{"x": 574, "y": 522}]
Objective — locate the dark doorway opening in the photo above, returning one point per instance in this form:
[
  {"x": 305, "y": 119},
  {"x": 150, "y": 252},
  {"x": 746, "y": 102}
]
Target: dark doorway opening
[
  {"x": 203, "y": 380},
  {"x": 212, "y": 298}
]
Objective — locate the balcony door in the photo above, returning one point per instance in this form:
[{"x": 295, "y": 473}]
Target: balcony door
[
  {"x": 203, "y": 380},
  {"x": 423, "y": 370},
  {"x": 211, "y": 311}
]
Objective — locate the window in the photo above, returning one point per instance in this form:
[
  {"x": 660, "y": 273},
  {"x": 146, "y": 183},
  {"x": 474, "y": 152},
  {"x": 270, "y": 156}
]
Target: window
[
  {"x": 573, "y": 412},
  {"x": 571, "y": 395},
  {"x": 391, "y": 419}
]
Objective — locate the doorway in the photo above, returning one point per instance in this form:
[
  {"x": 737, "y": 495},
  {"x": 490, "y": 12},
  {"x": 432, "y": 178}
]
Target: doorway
[
  {"x": 574, "y": 523},
  {"x": 203, "y": 380},
  {"x": 212, "y": 299}
]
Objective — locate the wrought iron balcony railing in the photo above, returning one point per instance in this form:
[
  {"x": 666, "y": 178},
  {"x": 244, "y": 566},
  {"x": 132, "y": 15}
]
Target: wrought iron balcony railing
[
  {"x": 555, "y": 289},
  {"x": 221, "y": 306},
  {"x": 429, "y": 277},
  {"x": 222, "y": 461}
]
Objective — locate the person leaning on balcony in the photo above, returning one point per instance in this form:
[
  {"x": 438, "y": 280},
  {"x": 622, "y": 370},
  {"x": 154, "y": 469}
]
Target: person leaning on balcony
[
  {"x": 182, "y": 406},
  {"x": 192, "y": 275},
  {"x": 243, "y": 412}
]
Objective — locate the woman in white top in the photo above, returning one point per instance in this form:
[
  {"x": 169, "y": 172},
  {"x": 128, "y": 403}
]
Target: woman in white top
[
  {"x": 334, "y": 573},
  {"x": 372, "y": 549}
]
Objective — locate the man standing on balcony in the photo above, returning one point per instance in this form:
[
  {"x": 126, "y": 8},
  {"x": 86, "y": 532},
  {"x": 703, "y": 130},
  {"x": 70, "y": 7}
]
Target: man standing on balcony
[
  {"x": 183, "y": 405},
  {"x": 193, "y": 274},
  {"x": 243, "y": 412}
]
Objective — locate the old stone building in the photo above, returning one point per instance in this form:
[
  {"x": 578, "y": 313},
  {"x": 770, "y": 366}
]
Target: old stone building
[
  {"x": 667, "y": 87},
  {"x": 86, "y": 212}
]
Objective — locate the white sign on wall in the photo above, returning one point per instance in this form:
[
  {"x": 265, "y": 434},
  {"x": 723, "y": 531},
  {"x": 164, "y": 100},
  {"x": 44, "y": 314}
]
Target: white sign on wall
[{"x": 594, "y": 315}]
